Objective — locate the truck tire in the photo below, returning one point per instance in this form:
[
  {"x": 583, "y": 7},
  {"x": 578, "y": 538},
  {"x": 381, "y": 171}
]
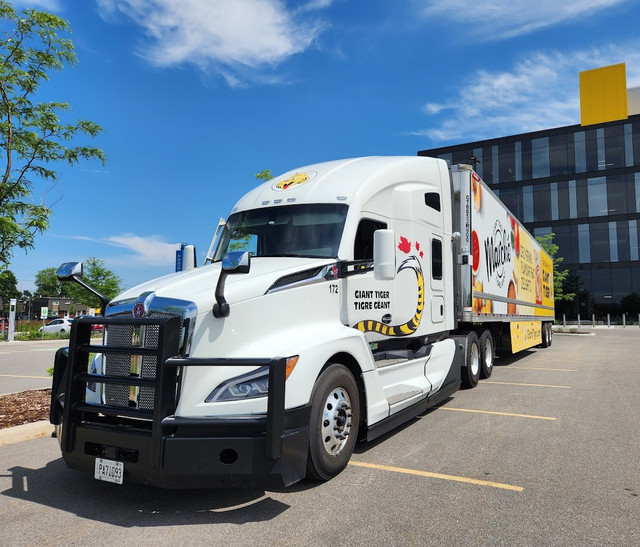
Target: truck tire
[
  {"x": 487, "y": 354},
  {"x": 333, "y": 429},
  {"x": 471, "y": 372},
  {"x": 547, "y": 335}
]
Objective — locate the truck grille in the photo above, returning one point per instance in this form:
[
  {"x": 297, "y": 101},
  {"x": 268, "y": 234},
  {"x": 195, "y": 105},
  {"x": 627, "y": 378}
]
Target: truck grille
[{"x": 136, "y": 366}]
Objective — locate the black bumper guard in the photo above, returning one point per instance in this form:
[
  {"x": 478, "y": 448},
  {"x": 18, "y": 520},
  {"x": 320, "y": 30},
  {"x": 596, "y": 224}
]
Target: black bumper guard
[{"x": 70, "y": 379}]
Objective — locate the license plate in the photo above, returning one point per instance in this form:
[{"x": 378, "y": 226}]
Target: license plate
[{"x": 109, "y": 470}]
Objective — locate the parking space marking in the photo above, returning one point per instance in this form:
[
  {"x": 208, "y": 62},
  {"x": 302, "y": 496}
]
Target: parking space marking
[
  {"x": 16, "y": 376},
  {"x": 540, "y": 368},
  {"x": 529, "y": 385},
  {"x": 532, "y": 416},
  {"x": 429, "y": 474}
]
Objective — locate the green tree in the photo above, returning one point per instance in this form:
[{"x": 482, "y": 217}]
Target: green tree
[
  {"x": 25, "y": 301},
  {"x": 96, "y": 275},
  {"x": 264, "y": 175},
  {"x": 559, "y": 276},
  {"x": 8, "y": 288},
  {"x": 48, "y": 284},
  {"x": 33, "y": 139}
]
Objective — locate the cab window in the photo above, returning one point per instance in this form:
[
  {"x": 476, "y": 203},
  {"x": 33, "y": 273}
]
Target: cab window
[{"x": 363, "y": 245}]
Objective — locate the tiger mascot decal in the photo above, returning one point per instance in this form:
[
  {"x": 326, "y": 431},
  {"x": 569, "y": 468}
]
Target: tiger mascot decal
[{"x": 411, "y": 326}]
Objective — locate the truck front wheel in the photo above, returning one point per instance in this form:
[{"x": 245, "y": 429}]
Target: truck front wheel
[{"x": 335, "y": 416}]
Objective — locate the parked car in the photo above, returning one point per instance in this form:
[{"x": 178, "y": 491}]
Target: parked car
[{"x": 57, "y": 325}]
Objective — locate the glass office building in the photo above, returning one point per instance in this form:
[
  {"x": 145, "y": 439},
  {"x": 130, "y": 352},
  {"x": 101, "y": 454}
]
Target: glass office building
[{"x": 583, "y": 184}]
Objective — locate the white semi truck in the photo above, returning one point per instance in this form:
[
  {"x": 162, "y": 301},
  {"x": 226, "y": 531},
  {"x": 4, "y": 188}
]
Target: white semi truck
[{"x": 339, "y": 300}]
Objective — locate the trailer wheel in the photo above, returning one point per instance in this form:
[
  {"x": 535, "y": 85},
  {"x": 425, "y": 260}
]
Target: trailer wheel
[
  {"x": 487, "y": 354},
  {"x": 335, "y": 416},
  {"x": 471, "y": 373},
  {"x": 547, "y": 335}
]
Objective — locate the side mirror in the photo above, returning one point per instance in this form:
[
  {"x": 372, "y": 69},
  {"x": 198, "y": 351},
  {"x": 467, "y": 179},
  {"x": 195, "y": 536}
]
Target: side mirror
[
  {"x": 384, "y": 254},
  {"x": 235, "y": 262},
  {"x": 72, "y": 271},
  {"x": 69, "y": 271}
]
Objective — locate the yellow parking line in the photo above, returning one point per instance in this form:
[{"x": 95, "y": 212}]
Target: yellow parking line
[
  {"x": 530, "y": 385},
  {"x": 539, "y": 368},
  {"x": 498, "y": 413},
  {"x": 437, "y": 476},
  {"x": 16, "y": 376}
]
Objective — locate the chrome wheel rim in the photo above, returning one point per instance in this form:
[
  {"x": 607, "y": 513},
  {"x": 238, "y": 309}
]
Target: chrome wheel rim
[
  {"x": 475, "y": 360},
  {"x": 488, "y": 355},
  {"x": 336, "y": 421}
]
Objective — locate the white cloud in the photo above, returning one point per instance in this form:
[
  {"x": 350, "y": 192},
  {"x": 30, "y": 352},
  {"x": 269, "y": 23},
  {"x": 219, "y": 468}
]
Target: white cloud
[
  {"x": 150, "y": 250},
  {"x": 539, "y": 92},
  {"x": 47, "y": 5},
  {"x": 500, "y": 19},
  {"x": 144, "y": 250},
  {"x": 238, "y": 39}
]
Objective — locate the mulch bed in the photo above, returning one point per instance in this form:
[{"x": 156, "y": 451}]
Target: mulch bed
[{"x": 24, "y": 407}]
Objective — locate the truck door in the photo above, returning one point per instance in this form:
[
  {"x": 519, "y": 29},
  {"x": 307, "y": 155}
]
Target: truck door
[{"x": 369, "y": 301}]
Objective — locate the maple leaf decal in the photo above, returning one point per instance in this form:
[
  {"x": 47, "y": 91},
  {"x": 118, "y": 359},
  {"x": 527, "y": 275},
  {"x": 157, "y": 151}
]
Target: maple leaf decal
[{"x": 404, "y": 245}]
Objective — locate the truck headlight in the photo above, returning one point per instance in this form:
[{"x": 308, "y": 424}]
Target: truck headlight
[{"x": 248, "y": 386}]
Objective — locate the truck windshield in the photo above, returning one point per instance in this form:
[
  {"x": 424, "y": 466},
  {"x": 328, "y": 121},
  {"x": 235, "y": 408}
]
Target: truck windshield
[{"x": 292, "y": 230}]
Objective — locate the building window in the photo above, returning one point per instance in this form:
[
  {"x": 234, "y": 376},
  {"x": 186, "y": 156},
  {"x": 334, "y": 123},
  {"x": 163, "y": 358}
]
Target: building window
[
  {"x": 518, "y": 160},
  {"x": 602, "y": 164},
  {"x": 617, "y": 200},
  {"x": 613, "y": 242},
  {"x": 558, "y": 157},
  {"x": 540, "y": 157},
  {"x": 495, "y": 164},
  {"x": 507, "y": 162},
  {"x": 527, "y": 204},
  {"x": 477, "y": 152},
  {"x": 637, "y": 185},
  {"x": 584, "y": 250},
  {"x": 597, "y": 192},
  {"x": 633, "y": 239},
  {"x": 622, "y": 235},
  {"x": 446, "y": 157},
  {"x": 580, "y": 152},
  {"x": 542, "y": 203},
  {"x": 628, "y": 145},
  {"x": 614, "y": 141},
  {"x": 554, "y": 201}
]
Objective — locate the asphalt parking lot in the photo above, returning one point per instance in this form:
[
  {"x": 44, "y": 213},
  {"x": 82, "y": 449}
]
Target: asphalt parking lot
[{"x": 545, "y": 452}]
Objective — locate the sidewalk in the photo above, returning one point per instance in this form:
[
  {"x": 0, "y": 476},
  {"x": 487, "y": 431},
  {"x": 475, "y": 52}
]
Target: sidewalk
[{"x": 26, "y": 432}]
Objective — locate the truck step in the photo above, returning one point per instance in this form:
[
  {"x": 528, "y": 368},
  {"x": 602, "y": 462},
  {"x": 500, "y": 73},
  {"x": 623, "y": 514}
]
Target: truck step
[{"x": 399, "y": 397}]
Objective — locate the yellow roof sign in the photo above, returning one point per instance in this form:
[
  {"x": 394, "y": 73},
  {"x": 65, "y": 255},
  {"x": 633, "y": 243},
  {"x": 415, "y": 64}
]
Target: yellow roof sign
[{"x": 603, "y": 94}]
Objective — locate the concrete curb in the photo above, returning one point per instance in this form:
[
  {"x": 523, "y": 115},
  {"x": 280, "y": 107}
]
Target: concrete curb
[
  {"x": 26, "y": 432},
  {"x": 555, "y": 333}
]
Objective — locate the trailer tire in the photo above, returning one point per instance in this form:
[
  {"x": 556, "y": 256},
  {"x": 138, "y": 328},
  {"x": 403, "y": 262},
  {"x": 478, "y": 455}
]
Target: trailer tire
[
  {"x": 547, "y": 335},
  {"x": 471, "y": 372},
  {"x": 333, "y": 428},
  {"x": 487, "y": 354}
]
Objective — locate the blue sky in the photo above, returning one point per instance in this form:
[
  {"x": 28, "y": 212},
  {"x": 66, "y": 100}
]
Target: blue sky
[{"x": 197, "y": 96}]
